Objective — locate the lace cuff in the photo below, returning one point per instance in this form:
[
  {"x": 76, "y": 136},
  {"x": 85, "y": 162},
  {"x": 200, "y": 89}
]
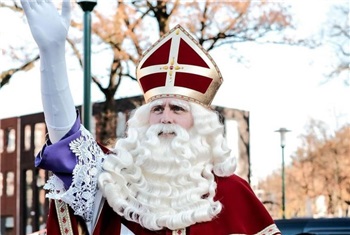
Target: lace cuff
[{"x": 81, "y": 193}]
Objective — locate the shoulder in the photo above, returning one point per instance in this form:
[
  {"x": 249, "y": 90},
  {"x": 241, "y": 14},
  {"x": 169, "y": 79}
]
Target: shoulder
[
  {"x": 234, "y": 189},
  {"x": 240, "y": 203},
  {"x": 232, "y": 184}
]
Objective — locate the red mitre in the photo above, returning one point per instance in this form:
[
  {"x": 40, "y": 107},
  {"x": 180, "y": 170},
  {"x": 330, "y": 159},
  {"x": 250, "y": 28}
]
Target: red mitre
[{"x": 177, "y": 66}]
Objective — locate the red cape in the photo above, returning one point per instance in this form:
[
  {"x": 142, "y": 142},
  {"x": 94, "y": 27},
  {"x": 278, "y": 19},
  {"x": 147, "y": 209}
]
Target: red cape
[{"x": 242, "y": 213}]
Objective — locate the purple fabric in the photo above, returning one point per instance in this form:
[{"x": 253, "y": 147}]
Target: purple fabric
[{"x": 58, "y": 157}]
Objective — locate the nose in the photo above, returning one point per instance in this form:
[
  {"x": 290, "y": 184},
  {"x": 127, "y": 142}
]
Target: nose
[{"x": 167, "y": 117}]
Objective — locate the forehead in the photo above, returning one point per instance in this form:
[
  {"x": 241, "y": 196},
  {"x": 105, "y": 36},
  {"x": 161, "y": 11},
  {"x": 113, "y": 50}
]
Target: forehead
[{"x": 170, "y": 101}]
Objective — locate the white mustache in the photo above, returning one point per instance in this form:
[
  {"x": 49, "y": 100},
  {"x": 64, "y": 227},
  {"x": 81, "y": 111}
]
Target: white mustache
[{"x": 159, "y": 129}]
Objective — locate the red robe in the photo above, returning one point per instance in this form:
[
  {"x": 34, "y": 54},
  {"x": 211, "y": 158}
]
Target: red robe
[{"x": 242, "y": 213}]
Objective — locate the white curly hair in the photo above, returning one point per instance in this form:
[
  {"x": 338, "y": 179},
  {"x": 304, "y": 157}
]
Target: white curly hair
[{"x": 160, "y": 183}]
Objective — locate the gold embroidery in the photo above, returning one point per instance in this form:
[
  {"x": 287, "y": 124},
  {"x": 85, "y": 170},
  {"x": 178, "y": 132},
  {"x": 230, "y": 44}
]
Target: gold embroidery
[
  {"x": 63, "y": 217},
  {"x": 181, "y": 231}
]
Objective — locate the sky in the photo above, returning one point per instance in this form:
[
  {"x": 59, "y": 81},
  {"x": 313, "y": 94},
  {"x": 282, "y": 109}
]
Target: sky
[{"x": 279, "y": 85}]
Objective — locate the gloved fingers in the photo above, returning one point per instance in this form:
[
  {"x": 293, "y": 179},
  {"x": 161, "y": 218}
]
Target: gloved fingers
[
  {"x": 66, "y": 12},
  {"x": 32, "y": 7},
  {"x": 31, "y": 4},
  {"x": 27, "y": 6},
  {"x": 48, "y": 27}
]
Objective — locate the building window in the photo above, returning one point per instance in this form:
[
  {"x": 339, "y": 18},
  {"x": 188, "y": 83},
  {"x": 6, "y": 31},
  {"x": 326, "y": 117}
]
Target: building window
[
  {"x": 40, "y": 182},
  {"x": 27, "y": 136},
  {"x": 29, "y": 189},
  {"x": 10, "y": 183},
  {"x": 7, "y": 223},
  {"x": 121, "y": 124},
  {"x": 29, "y": 200},
  {"x": 39, "y": 137},
  {"x": 10, "y": 140}
]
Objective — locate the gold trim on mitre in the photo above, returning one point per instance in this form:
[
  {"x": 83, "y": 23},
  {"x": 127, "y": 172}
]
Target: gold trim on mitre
[{"x": 178, "y": 66}]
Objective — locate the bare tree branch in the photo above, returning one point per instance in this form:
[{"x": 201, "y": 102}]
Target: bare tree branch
[{"x": 6, "y": 75}]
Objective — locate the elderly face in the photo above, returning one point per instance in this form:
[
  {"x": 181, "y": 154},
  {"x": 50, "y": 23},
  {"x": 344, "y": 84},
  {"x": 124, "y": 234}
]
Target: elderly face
[{"x": 171, "y": 111}]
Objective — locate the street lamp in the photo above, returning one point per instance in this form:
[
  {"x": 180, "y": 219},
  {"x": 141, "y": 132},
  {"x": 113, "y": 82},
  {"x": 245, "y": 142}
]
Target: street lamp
[
  {"x": 87, "y": 6},
  {"x": 283, "y": 132}
]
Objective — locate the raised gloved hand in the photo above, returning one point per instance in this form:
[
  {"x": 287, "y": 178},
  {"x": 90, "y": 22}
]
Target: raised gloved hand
[
  {"x": 49, "y": 30},
  {"x": 48, "y": 27}
]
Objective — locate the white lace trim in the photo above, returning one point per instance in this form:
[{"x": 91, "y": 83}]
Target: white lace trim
[
  {"x": 80, "y": 195},
  {"x": 272, "y": 229},
  {"x": 55, "y": 187}
]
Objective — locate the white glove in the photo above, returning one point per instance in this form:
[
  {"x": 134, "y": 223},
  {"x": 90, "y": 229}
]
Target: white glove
[{"x": 49, "y": 30}]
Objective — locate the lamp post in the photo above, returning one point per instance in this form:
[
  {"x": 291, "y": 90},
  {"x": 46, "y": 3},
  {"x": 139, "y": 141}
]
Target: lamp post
[
  {"x": 283, "y": 132},
  {"x": 87, "y": 6}
]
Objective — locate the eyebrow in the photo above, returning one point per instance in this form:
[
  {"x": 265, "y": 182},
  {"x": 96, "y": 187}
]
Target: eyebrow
[{"x": 179, "y": 103}]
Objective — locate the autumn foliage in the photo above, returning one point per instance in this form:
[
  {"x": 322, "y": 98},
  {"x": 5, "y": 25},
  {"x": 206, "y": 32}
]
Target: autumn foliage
[{"x": 317, "y": 181}]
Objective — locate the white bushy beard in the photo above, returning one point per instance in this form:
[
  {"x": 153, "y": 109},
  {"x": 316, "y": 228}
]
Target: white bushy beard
[{"x": 163, "y": 182}]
